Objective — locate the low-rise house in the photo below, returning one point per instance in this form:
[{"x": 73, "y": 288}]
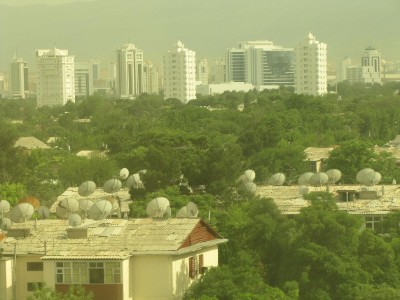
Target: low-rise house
[
  {"x": 30, "y": 143},
  {"x": 114, "y": 258},
  {"x": 316, "y": 157}
]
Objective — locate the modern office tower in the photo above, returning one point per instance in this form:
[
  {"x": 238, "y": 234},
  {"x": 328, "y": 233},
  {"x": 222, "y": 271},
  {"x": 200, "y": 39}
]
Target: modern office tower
[
  {"x": 83, "y": 79},
  {"x": 55, "y": 77},
  {"x": 95, "y": 70},
  {"x": 341, "y": 69},
  {"x": 18, "y": 79},
  {"x": 129, "y": 66},
  {"x": 202, "y": 71},
  {"x": 151, "y": 78},
  {"x": 217, "y": 71},
  {"x": 353, "y": 74},
  {"x": 180, "y": 74},
  {"x": 260, "y": 63},
  {"x": 371, "y": 65},
  {"x": 310, "y": 71}
]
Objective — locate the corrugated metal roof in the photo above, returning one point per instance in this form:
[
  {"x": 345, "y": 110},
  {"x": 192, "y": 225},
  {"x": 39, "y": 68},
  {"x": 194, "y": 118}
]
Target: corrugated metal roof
[{"x": 30, "y": 143}]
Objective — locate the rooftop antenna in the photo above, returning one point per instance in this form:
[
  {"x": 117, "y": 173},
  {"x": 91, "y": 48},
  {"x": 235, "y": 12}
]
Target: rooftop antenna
[
  {"x": 188, "y": 211},
  {"x": 74, "y": 220},
  {"x": 85, "y": 205},
  {"x": 334, "y": 175},
  {"x": 100, "y": 210},
  {"x": 22, "y": 212},
  {"x": 112, "y": 186},
  {"x": 319, "y": 179},
  {"x": 5, "y": 224},
  {"x": 158, "y": 208},
  {"x": 4, "y": 208},
  {"x": 43, "y": 212},
  {"x": 67, "y": 207},
  {"x": 277, "y": 179},
  {"x": 86, "y": 188},
  {"x": 304, "y": 179}
]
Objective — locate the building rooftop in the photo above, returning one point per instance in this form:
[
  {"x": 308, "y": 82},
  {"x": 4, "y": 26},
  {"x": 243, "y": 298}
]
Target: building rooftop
[
  {"x": 317, "y": 154},
  {"x": 30, "y": 143}
]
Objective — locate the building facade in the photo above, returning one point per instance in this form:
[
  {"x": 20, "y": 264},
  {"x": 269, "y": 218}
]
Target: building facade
[
  {"x": 310, "y": 71},
  {"x": 129, "y": 72},
  {"x": 83, "y": 73},
  {"x": 202, "y": 71},
  {"x": 180, "y": 73},
  {"x": 55, "y": 77},
  {"x": 371, "y": 66},
  {"x": 19, "y": 79},
  {"x": 151, "y": 78}
]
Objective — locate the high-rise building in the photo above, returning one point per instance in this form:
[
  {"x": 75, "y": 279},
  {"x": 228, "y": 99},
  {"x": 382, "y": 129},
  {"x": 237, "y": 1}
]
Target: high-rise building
[
  {"x": 55, "y": 77},
  {"x": 260, "y": 63},
  {"x": 341, "y": 69},
  {"x": 96, "y": 70},
  {"x": 371, "y": 66},
  {"x": 310, "y": 71},
  {"x": 180, "y": 74},
  {"x": 129, "y": 66},
  {"x": 353, "y": 74},
  {"x": 202, "y": 71},
  {"x": 83, "y": 79},
  {"x": 217, "y": 71},
  {"x": 19, "y": 79},
  {"x": 151, "y": 78},
  {"x": 2, "y": 85}
]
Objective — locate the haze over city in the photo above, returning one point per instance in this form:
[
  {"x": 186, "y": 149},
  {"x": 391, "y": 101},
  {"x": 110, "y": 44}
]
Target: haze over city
[{"x": 95, "y": 29}]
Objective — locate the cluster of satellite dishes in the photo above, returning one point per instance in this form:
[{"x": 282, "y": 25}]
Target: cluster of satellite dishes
[
  {"x": 160, "y": 208},
  {"x": 368, "y": 177},
  {"x": 246, "y": 182}
]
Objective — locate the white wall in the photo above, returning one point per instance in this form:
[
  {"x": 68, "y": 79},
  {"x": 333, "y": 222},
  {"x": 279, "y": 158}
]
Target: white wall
[{"x": 6, "y": 280}]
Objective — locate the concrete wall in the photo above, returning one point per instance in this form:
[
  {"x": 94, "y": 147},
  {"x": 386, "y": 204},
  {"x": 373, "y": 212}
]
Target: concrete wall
[
  {"x": 24, "y": 276},
  {"x": 6, "y": 278}
]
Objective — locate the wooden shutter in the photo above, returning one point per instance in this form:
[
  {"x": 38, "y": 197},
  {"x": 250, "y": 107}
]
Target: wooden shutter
[
  {"x": 192, "y": 267},
  {"x": 201, "y": 264}
]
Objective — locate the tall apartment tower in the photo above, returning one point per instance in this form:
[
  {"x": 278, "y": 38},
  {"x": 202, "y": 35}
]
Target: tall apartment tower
[
  {"x": 217, "y": 71},
  {"x": 83, "y": 79},
  {"x": 55, "y": 77},
  {"x": 151, "y": 78},
  {"x": 129, "y": 66},
  {"x": 341, "y": 69},
  {"x": 202, "y": 71},
  {"x": 310, "y": 71},
  {"x": 180, "y": 74},
  {"x": 19, "y": 79},
  {"x": 371, "y": 66},
  {"x": 260, "y": 63}
]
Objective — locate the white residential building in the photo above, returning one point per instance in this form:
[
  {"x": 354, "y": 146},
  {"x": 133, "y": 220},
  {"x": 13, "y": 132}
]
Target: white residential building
[
  {"x": 55, "y": 77},
  {"x": 202, "y": 71},
  {"x": 180, "y": 74},
  {"x": 18, "y": 79},
  {"x": 151, "y": 78},
  {"x": 129, "y": 66},
  {"x": 371, "y": 66},
  {"x": 83, "y": 79},
  {"x": 310, "y": 73},
  {"x": 341, "y": 69}
]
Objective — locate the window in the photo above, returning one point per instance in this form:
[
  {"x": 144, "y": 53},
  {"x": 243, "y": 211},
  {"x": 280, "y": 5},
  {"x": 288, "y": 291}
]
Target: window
[
  {"x": 32, "y": 286},
  {"x": 34, "y": 266},
  {"x": 196, "y": 266},
  {"x": 192, "y": 267},
  {"x": 81, "y": 272}
]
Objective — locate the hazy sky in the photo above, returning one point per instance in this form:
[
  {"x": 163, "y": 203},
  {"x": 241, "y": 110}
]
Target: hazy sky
[{"x": 95, "y": 29}]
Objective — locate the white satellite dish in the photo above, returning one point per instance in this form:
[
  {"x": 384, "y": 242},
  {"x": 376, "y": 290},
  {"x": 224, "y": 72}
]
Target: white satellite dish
[
  {"x": 124, "y": 173},
  {"x": 319, "y": 179},
  {"x": 248, "y": 188},
  {"x": 134, "y": 181},
  {"x": 87, "y": 188},
  {"x": 334, "y": 175},
  {"x": 4, "y": 208},
  {"x": 43, "y": 212},
  {"x": 5, "y": 224},
  {"x": 112, "y": 186},
  {"x": 250, "y": 175},
  {"x": 74, "y": 220},
  {"x": 84, "y": 206},
  {"x": 158, "y": 207},
  {"x": 100, "y": 210},
  {"x": 22, "y": 212},
  {"x": 277, "y": 179},
  {"x": 303, "y": 190},
  {"x": 190, "y": 210},
  {"x": 304, "y": 179}
]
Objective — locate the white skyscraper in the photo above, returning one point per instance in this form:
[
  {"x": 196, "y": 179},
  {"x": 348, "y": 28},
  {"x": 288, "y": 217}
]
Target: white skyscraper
[
  {"x": 180, "y": 74},
  {"x": 129, "y": 66},
  {"x": 55, "y": 77},
  {"x": 18, "y": 79},
  {"x": 371, "y": 65},
  {"x": 310, "y": 70}
]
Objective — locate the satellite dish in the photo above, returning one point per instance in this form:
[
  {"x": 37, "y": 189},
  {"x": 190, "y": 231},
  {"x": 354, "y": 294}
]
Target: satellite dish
[
  {"x": 368, "y": 177},
  {"x": 158, "y": 207},
  {"x": 5, "y": 224},
  {"x": 70, "y": 204},
  {"x": 144, "y": 171},
  {"x": 74, "y": 220},
  {"x": 277, "y": 179},
  {"x": 22, "y": 212},
  {"x": 250, "y": 175},
  {"x": 319, "y": 179},
  {"x": 85, "y": 205},
  {"x": 249, "y": 188},
  {"x": 124, "y": 173},
  {"x": 334, "y": 175},
  {"x": 87, "y": 188},
  {"x": 31, "y": 200},
  {"x": 304, "y": 179},
  {"x": 112, "y": 186},
  {"x": 303, "y": 190},
  {"x": 100, "y": 210},
  {"x": 188, "y": 211},
  {"x": 167, "y": 213},
  {"x": 4, "y": 207},
  {"x": 43, "y": 212},
  {"x": 114, "y": 202},
  {"x": 134, "y": 181}
]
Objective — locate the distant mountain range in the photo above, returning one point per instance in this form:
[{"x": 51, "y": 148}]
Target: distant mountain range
[{"x": 94, "y": 30}]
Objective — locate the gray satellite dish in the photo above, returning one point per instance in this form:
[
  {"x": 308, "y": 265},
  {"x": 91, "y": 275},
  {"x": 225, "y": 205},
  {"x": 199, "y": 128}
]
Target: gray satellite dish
[
  {"x": 112, "y": 186},
  {"x": 250, "y": 175},
  {"x": 70, "y": 204},
  {"x": 4, "y": 207},
  {"x": 87, "y": 188},
  {"x": 22, "y": 212},
  {"x": 85, "y": 205},
  {"x": 74, "y": 220},
  {"x": 303, "y": 190},
  {"x": 100, "y": 210},
  {"x": 61, "y": 212},
  {"x": 249, "y": 188},
  {"x": 43, "y": 212},
  {"x": 368, "y": 177},
  {"x": 277, "y": 179},
  {"x": 5, "y": 224},
  {"x": 334, "y": 175},
  {"x": 124, "y": 173},
  {"x": 319, "y": 179},
  {"x": 134, "y": 181},
  {"x": 158, "y": 207},
  {"x": 167, "y": 213},
  {"x": 188, "y": 211},
  {"x": 304, "y": 179}
]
